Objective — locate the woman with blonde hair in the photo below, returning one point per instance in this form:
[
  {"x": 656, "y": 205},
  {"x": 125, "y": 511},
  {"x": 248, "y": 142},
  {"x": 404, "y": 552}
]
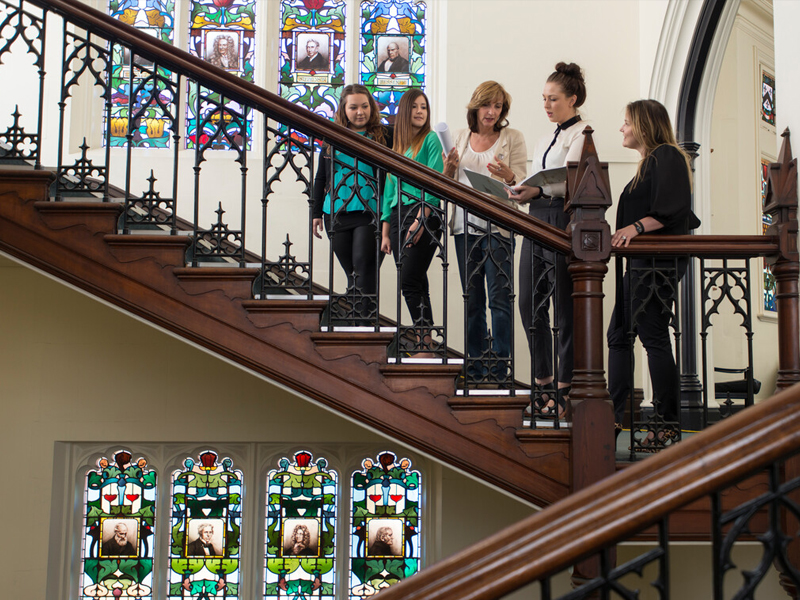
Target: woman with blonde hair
[
  {"x": 658, "y": 201},
  {"x": 345, "y": 198},
  {"x": 488, "y": 146},
  {"x": 411, "y": 227}
]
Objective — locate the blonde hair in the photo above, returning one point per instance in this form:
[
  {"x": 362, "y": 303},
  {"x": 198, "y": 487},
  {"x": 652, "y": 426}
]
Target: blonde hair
[
  {"x": 484, "y": 94},
  {"x": 651, "y": 127},
  {"x": 404, "y": 137}
]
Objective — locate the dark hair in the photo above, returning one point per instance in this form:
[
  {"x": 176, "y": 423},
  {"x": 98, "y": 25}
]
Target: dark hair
[
  {"x": 569, "y": 78},
  {"x": 375, "y": 128},
  {"x": 484, "y": 94},
  {"x": 404, "y": 137}
]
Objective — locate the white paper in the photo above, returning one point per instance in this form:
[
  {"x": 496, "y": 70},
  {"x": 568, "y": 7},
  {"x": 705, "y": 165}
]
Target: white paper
[
  {"x": 443, "y": 131},
  {"x": 546, "y": 177},
  {"x": 487, "y": 185}
]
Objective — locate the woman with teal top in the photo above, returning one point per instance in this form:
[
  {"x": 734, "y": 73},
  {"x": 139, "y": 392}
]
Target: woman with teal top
[
  {"x": 411, "y": 228},
  {"x": 352, "y": 222}
]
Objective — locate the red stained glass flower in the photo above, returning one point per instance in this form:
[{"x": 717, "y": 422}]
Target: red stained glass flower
[
  {"x": 223, "y": 3},
  {"x": 386, "y": 459},
  {"x": 313, "y": 4},
  {"x": 208, "y": 459},
  {"x": 122, "y": 459},
  {"x": 303, "y": 459}
]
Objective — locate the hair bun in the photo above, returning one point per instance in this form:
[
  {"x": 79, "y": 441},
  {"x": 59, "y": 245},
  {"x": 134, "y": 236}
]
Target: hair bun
[{"x": 570, "y": 69}]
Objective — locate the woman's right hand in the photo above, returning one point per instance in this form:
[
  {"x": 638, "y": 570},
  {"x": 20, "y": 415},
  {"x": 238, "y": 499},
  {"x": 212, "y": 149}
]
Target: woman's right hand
[
  {"x": 451, "y": 163},
  {"x": 523, "y": 194},
  {"x": 316, "y": 227},
  {"x": 386, "y": 242}
]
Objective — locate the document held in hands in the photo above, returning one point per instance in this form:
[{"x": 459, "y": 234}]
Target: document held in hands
[
  {"x": 546, "y": 177},
  {"x": 487, "y": 185},
  {"x": 443, "y": 131}
]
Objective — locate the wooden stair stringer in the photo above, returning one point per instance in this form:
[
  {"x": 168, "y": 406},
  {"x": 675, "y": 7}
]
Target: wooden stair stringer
[{"x": 215, "y": 311}]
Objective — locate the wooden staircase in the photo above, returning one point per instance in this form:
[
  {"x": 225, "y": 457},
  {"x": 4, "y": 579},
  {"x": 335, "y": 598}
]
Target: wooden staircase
[{"x": 145, "y": 274}]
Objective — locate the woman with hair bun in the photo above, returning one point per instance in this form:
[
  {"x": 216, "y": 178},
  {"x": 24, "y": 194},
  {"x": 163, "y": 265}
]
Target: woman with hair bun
[{"x": 543, "y": 273}]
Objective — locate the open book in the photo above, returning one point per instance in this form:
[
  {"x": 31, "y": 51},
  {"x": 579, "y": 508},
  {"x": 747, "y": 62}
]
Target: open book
[{"x": 493, "y": 187}]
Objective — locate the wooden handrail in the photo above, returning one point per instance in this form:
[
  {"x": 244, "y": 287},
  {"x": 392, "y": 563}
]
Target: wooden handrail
[
  {"x": 275, "y": 107},
  {"x": 615, "y": 508}
]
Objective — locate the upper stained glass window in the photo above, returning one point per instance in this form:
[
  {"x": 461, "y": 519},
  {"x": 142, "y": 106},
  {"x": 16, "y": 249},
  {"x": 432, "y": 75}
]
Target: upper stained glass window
[
  {"x": 393, "y": 56},
  {"x": 221, "y": 32},
  {"x": 120, "y": 505},
  {"x": 767, "y": 98},
  {"x": 206, "y": 529},
  {"x": 301, "y": 527},
  {"x": 385, "y": 524},
  {"x": 312, "y": 53},
  {"x": 142, "y": 96},
  {"x": 766, "y": 221}
]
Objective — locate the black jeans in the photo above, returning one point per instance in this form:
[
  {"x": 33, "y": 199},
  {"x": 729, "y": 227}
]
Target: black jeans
[
  {"x": 544, "y": 279},
  {"x": 354, "y": 238},
  {"x": 414, "y": 259},
  {"x": 651, "y": 303}
]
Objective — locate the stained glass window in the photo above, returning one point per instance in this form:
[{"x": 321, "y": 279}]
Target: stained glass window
[
  {"x": 766, "y": 221},
  {"x": 120, "y": 505},
  {"x": 301, "y": 526},
  {"x": 312, "y": 53},
  {"x": 222, "y": 32},
  {"x": 767, "y": 98},
  {"x": 385, "y": 524},
  {"x": 393, "y": 56},
  {"x": 206, "y": 523},
  {"x": 142, "y": 97}
]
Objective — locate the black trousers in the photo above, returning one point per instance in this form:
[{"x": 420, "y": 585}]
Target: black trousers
[
  {"x": 414, "y": 259},
  {"x": 354, "y": 238},
  {"x": 645, "y": 311},
  {"x": 545, "y": 280}
]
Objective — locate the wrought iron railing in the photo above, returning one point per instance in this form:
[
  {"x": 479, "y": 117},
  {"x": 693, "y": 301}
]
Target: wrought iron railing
[{"x": 198, "y": 189}]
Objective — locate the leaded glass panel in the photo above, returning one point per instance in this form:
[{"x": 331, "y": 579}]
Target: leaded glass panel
[
  {"x": 118, "y": 536},
  {"x": 393, "y": 55},
  {"x": 142, "y": 99},
  {"x": 206, "y": 529},
  {"x": 766, "y": 221},
  {"x": 767, "y": 98},
  {"x": 301, "y": 526},
  {"x": 312, "y": 53},
  {"x": 385, "y": 524},
  {"x": 222, "y": 32}
]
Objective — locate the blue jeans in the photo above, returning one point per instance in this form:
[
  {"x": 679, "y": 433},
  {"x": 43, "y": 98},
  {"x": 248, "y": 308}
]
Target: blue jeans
[{"x": 487, "y": 268}]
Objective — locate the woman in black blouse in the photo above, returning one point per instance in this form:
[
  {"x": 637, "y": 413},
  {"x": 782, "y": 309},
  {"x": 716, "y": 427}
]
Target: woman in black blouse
[{"x": 657, "y": 200}]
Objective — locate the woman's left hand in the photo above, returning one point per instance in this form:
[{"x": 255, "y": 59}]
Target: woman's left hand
[
  {"x": 622, "y": 237},
  {"x": 501, "y": 170}
]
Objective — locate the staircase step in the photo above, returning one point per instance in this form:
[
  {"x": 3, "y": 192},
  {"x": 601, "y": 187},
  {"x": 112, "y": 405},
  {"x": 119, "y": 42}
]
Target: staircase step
[
  {"x": 171, "y": 249},
  {"x": 235, "y": 283},
  {"x": 439, "y": 379},
  {"x": 303, "y": 315},
  {"x": 371, "y": 347}
]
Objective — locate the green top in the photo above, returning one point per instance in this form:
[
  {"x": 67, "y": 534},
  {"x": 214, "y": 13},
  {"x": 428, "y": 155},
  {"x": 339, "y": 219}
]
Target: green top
[{"x": 430, "y": 155}]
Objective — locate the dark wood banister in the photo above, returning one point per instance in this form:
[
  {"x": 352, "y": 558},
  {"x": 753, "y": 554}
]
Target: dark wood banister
[
  {"x": 436, "y": 183},
  {"x": 615, "y": 508}
]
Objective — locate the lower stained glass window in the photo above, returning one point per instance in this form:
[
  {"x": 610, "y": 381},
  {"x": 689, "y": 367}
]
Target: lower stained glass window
[
  {"x": 301, "y": 529},
  {"x": 120, "y": 505},
  {"x": 385, "y": 524},
  {"x": 206, "y": 529}
]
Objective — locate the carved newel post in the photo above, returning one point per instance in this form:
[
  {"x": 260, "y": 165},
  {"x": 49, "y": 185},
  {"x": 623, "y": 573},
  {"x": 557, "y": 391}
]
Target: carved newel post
[
  {"x": 593, "y": 447},
  {"x": 781, "y": 205}
]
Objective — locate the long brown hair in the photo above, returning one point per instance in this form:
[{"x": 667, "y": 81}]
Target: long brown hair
[
  {"x": 483, "y": 95},
  {"x": 375, "y": 128},
  {"x": 651, "y": 127},
  {"x": 404, "y": 137}
]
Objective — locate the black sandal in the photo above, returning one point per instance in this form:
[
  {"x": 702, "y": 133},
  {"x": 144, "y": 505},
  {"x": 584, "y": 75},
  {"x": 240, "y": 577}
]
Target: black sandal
[
  {"x": 542, "y": 397},
  {"x": 549, "y": 410}
]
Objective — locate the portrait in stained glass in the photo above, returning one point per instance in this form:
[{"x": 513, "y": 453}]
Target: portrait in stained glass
[
  {"x": 385, "y": 524},
  {"x": 205, "y": 528},
  {"x": 223, "y": 33},
  {"x": 300, "y": 529},
  {"x": 142, "y": 96},
  {"x": 312, "y": 53},
  {"x": 119, "y": 528},
  {"x": 767, "y": 98},
  {"x": 393, "y": 55},
  {"x": 766, "y": 221}
]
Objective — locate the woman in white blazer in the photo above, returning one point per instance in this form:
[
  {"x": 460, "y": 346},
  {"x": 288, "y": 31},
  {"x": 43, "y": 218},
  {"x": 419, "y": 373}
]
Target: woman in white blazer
[{"x": 485, "y": 254}]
